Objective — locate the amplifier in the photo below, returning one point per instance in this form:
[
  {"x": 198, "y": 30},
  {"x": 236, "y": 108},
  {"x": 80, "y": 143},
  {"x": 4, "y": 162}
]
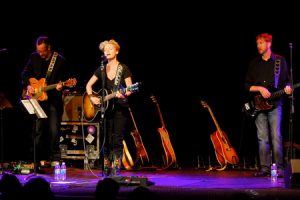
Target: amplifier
[
  {"x": 74, "y": 136},
  {"x": 72, "y": 107}
]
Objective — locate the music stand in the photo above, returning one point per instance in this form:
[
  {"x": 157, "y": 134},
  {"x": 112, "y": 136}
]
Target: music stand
[
  {"x": 4, "y": 103},
  {"x": 33, "y": 107}
]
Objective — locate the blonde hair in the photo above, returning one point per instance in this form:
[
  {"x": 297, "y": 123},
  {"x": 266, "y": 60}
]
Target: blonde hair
[{"x": 112, "y": 41}]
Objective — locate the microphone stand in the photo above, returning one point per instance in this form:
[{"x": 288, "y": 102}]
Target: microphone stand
[
  {"x": 291, "y": 152},
  {"x": 102, "y": 110}
]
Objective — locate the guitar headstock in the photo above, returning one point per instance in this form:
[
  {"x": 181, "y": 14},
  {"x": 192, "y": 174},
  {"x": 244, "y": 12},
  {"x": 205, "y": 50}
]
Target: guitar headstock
[
  {"x": 70, "y": 82},
  {"x": 153, "y": 98},
  {"x": 134, "y": 87},
  {"x": 204, "y": 104}
]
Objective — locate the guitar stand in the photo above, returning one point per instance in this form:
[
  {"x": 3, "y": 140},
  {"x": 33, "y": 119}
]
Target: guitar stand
[{"x": 33, "y": 107}]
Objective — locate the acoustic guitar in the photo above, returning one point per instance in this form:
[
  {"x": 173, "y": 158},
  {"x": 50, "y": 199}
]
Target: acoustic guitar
[
  {"x": 140, "y": 148},
  {"x": 126, "y": 158},
  {"x": 91, "y": 110},
  {"x": 170, "y": 157},
  {"x": 41, "y": 88},
  {"x": 225, "y": 153}
]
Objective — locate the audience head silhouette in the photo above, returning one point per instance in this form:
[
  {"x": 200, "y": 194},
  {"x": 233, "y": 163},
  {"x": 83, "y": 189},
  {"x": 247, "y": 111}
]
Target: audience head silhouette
[
  {"x": 107, "y": 188},
  {"x": 38, "y": 188},
  {"x": 141, "y": 192},
  {"x": 10, "y": 186}
]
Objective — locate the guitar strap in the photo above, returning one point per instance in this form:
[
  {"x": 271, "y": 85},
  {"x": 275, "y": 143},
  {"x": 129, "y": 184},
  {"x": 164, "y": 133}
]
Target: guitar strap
[
  {"x": 276, "y": 70},
  {"x": 51, "y": 65},
  {"x": 118, "y": 77}
]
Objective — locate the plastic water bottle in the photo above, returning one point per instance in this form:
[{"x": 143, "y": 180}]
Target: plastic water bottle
[
  {"x": 57, "y": 171},
  {"x": 63, "y": 171},
  {"x": 274, "y": 173},
  {"x": 85, "y": 163}
]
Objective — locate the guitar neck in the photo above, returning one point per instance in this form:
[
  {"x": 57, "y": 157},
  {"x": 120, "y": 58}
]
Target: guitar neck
[
  {"x": 49, "y": 87},
  {"x": 113, "y": 94},
  {"x": 135, "y": 126},
  {"x": 281, "y": 92},
  {"x": 215, "y": 120},
  {"x": 52, "y": 86},
  {"x": 160, "y": 116}
]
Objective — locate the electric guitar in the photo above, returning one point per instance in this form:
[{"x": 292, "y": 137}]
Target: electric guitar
[
  {"x": 259, "y": 103},
  {"x": 225, "y": 153},
  {"x": 170, "y": 157},
  {"x": 41, "y": 88},
  {"x": 91, "y": 110}
]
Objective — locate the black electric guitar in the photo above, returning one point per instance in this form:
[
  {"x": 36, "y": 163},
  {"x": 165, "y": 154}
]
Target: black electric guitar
[
  {"x": 259, "y": 103},
  {"x": 90, "y": 110}
]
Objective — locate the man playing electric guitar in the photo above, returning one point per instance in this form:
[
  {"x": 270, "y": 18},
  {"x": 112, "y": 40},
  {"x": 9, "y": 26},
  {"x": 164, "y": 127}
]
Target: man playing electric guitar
[{"x": 49, "y": 65}]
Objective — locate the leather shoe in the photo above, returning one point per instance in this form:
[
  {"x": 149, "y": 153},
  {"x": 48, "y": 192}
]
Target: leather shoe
[{"x": 261, "y": 174}]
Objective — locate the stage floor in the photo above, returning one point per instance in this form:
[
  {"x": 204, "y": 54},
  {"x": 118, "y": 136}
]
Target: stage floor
[{"x": 173, "y": 184}]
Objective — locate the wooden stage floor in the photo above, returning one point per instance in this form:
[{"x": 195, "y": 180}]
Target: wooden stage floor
[{"x": 173, "y": 184}]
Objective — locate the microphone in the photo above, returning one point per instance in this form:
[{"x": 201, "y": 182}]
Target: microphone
[
  {"x": 291, "y": 45},
  {"x": 103, "y": 62},
  {"x": 104, "y": 59}
]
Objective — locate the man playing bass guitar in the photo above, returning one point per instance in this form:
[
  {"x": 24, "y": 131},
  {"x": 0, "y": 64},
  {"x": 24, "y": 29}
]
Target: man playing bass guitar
[{"x": 268, "y": 69}]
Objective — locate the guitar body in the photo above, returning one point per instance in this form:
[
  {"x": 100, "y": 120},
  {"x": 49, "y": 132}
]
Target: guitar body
[
  {"x": 167, "y": 146},
  {"x": 126, "y": 158},
  {"x": 261, "y": 103},
  {"x": 218, "y": 149},
  {"x": 223, "y": 148},
  {"x": 38, "y": 86},
  {"x": 91, "y": 110},
  {"x": 140, "y": 148}
]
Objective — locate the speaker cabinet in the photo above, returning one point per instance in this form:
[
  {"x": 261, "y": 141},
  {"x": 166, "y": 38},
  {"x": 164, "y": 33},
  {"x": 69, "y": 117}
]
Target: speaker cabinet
[
  {"x": 72, "y": 108},
  {"x": 292, "y": 174}
]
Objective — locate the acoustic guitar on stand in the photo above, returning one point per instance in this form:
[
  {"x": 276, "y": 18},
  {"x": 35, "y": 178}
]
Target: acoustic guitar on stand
[
  {"x": 225, "y": 153},
  {"x": 41, "y": 88},
  {"x": 170, "y": 157},
  {"x": 141, "y": 152}
]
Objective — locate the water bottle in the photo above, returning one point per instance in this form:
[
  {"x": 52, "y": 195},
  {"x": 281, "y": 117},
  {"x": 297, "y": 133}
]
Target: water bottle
[
  {"x": 63, "y": 171},
  {"x": 274, "y": 172},
  {"x": 85, "y": 163},
  {"x": 57, "y": 171}
]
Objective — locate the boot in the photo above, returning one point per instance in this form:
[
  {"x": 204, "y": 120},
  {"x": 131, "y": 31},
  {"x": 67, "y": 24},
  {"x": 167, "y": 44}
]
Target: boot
[
  {"x": 107, "y": 167},
  {"x": 116, "y": 166}
]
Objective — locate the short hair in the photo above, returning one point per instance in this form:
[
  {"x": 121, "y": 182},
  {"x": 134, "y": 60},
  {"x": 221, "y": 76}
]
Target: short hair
[
  {"x": 43, "y": 40},
  {"x": 112, "y": 41},
  {"x": 266, "y": 36}
]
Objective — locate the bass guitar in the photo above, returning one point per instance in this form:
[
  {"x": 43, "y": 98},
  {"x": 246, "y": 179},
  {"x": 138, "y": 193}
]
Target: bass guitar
[
  {"x": 225, "y": 153},
  {"x": 170, "y": 157},
  {"x": 140, "y": 148},
  {"x": 41, "y": 88},
  {"x": 259, "y": 103},
  {"x": 91, "y": 110}
]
